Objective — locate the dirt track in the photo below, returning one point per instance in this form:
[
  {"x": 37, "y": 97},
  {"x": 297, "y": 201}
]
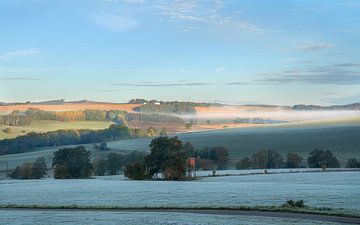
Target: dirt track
[{"x": 327, "y": 218}]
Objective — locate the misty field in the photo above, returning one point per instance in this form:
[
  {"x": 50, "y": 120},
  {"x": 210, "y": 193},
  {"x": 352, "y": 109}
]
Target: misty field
[{"x": 50, "y": 125}]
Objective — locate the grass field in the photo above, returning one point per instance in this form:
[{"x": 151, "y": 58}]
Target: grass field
[
  {"x": 344, "y": 141},
  {"x": 342, "y": 138},
  {"x": 45, "y": 126}
]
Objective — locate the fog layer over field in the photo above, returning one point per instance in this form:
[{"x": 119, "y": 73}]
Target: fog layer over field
[{"x": 274, "y": 113}]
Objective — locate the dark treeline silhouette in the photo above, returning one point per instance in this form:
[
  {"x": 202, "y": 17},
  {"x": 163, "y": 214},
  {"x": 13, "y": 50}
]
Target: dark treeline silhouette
[
  {"x": 31, "y": 141},
  {"x": 272, "y": 159},
  {"x": 35, "y": 170},
  {"x": 114, "y": 163},
  {"x": 154, "y": 106},
  {"x": 215, "y": 157},
  {"x": 353, "y": 106}
]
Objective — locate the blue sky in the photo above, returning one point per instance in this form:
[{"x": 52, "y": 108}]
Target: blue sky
[{"x": 272, "y": 52}]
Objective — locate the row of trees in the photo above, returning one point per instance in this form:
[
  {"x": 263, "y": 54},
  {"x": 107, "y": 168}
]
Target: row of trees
[
  {"x": 35, "y": 170},
  {"x": 168, "y": 156},
  {"x": 155, "y": 118},
  {"x": 16, "y": 118},
  {"x": 353, "y": 163},
  {"x": 64, "y": 137},
  {"x": 167, "y": 107},
  {"x": 85, "y": 115},
  {"x": 114, "y": 163},
  {"x": 272, "y": 159}
]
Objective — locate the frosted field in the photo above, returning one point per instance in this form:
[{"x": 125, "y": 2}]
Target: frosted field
[
  {"x": 328, "y": 189},
  {"x": 134, "y": 218}
]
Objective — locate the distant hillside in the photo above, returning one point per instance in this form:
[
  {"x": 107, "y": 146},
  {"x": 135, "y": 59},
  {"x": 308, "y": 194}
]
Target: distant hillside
[{"x": 354, "y": 106}]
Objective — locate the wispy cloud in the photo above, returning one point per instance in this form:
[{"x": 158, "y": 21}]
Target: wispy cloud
[
  {"x": 114, "y": 22},
  {"x": 19, "y": 53},
  {"x": 314, "y": 47},
  {"x": 158, "y": 84},
  {"x": 188, "y": 15},
  {"x": 338, "y": 74},
  {"x": 203, "y": 12}
]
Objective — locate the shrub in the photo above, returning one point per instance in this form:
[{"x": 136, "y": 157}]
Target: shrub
[
  {"x": 294, "y": 204},
  {"x": 135, "y": 171}
]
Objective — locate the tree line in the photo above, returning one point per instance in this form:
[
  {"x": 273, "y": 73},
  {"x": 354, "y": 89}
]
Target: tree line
[
  {"x": 169, "y": 157},
  {"x": 16, "y": 118},
  {"x": 167, "y": 107},
  {"x": 272, "y": 159},
  {"x": 33, "y": 140}
]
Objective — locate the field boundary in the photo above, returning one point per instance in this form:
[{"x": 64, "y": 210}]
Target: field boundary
[{"x": 308, "y": 213}]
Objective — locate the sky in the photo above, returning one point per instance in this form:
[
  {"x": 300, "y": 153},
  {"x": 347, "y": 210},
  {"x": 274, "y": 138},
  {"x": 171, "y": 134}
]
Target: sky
[{"x": 240, "y": 52}]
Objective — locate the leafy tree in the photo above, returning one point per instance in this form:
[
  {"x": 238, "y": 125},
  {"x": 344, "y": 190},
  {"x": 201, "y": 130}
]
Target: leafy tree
[
  {"x": 72, "y": 163},
  {"x": 36, "y": 170},
  {"x": 135, "y": 156},
  {"x": 114, "y": 132},
  {"x": 166, "y": 156},
  {"x": 26, "y": 169},
  {"x": 267, "y": 159},
  {"x": 322, "y": 159},
  {"x": 152, "y": 132},
  {"x": 352, "y": 163},
  {"x": 115, "y": 163},
  {"x": 100, "y": 167},
  {"x": 206, "y": 164},
  {"x": 293, "y": 160},
  {"x": 188, "y": 149},
  {"x": 135, "y": 171},
  {"x": 218, "y": 154},
  {"x": 244, "y": 163},
  {"x": 39, "y": 169},
  {"x": 16, "y": 174}
]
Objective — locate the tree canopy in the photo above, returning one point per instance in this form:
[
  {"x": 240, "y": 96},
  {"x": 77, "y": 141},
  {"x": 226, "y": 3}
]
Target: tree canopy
[
  {"x": 72, "y": 163},
  {"x": 322, "y": 159}
]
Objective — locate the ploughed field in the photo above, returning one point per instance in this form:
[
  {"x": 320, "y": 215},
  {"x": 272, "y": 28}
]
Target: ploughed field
[{"x": 338, "y": 190}]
